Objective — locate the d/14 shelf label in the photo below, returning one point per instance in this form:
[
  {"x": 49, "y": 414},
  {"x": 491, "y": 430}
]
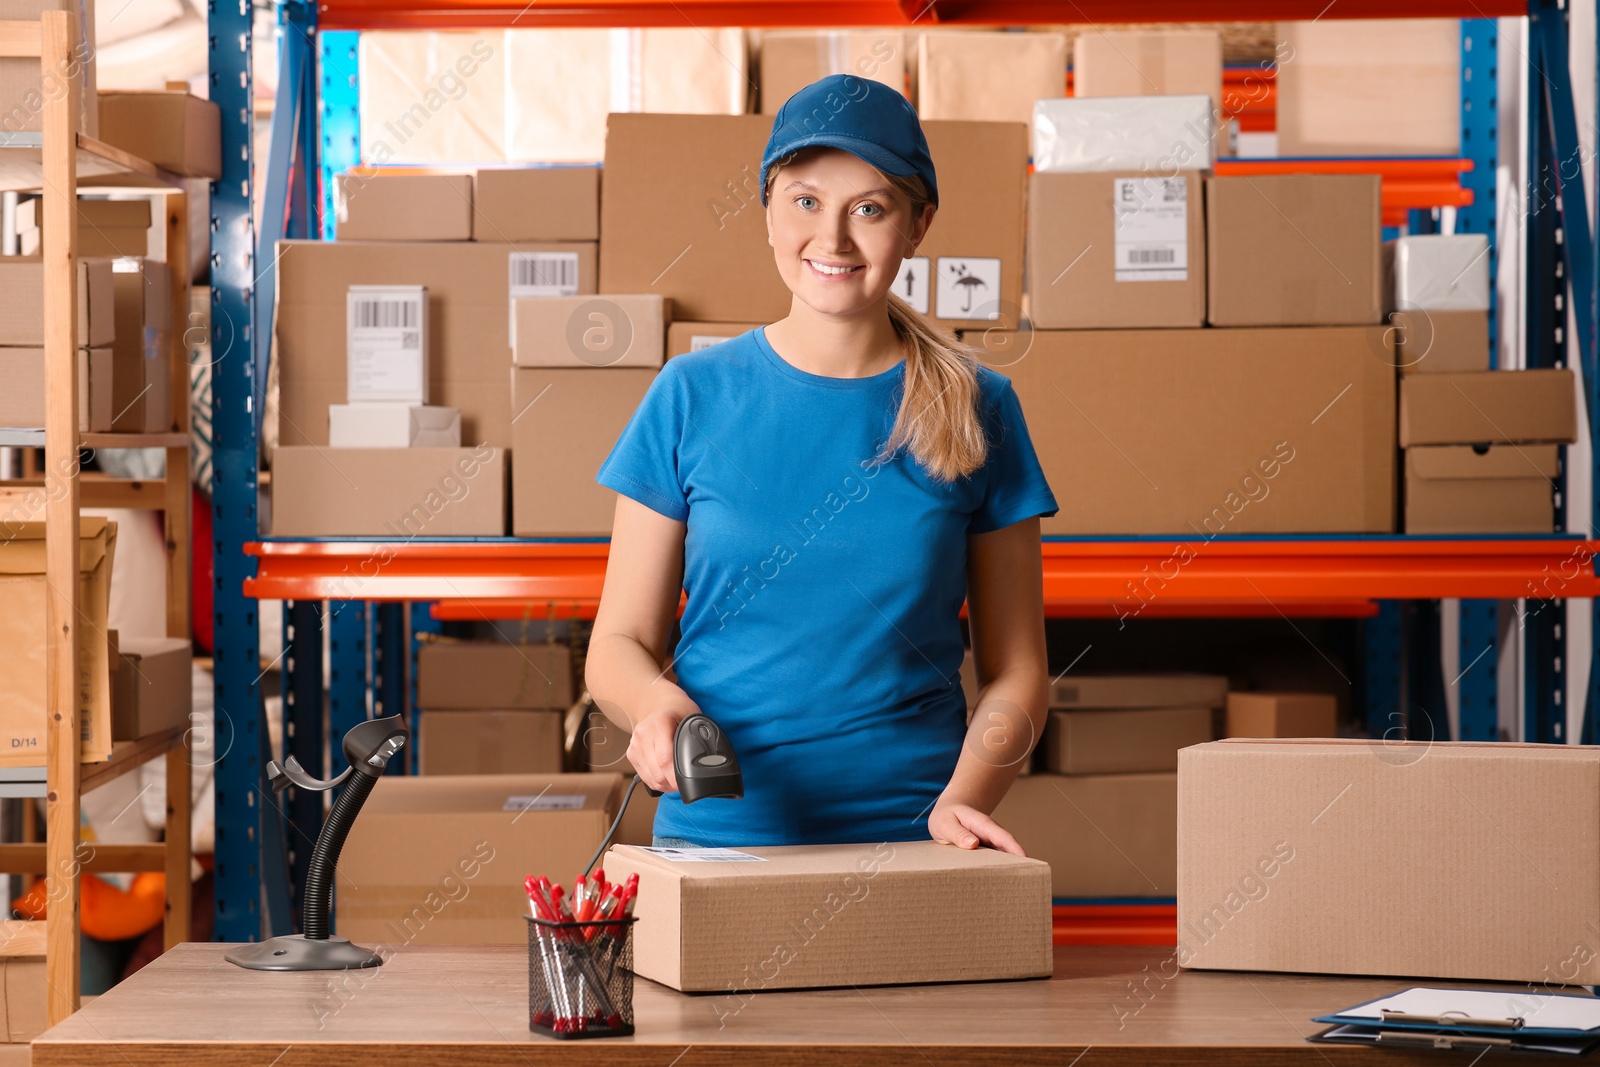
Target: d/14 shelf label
[{"x": 1152, "y": 229}]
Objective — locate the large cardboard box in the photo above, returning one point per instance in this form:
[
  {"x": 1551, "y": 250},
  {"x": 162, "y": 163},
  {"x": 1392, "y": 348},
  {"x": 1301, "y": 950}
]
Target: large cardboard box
[
  {"x": 1494, "y": 407},
  {"x": 493, "y": 674},
  {"x": 536, "y": 204},
  {"x": 1122, "y": 741},
  {"x": 152, "y": 686},
  {"x": 793, "y": 59},
  {"x": 1103, "y": 835},
  {"x": 369, "y": 205},
  {"x": 1441, "y": 342},
  {"x": 469, "y": 287},
  {"x": 1458, "y": 489},
  {"x": 988, "y": 75},
  {"x": 1203, "y": 432},
  {"x": 1151, "y": 689},
  {"x": 23, "y": 592},
  {"x": 490, "y": 742},
  {"x": 174, "y": 130},
  {"x": 685, "y": 337},
  {"x": 106, "y": 228},
  {"x": 1148, "y": 63},
  {"x": 1291, "y": 857},
  {"x": 567, "y": 422},
  {"x": 440, "y": 859},
  {"x": 388, "y": 492},
  {"x": 432, "y": 96},
  {"x": 1369, "y": 87},
  {"x": 682, "y": 217},
  {"x": 22, "y": 95},
  {"x": 591, "y": 331},
  {"x": 22, "y": 399},
  {"x": 1116, "y": 250},
  {"x": 141, "y": 365},
  {"x": 1294, "y": 250},
  {"x": 1282, "y": 715},
  {"x": 804, "y": 916},
  {"x": 22, "y": 301}
]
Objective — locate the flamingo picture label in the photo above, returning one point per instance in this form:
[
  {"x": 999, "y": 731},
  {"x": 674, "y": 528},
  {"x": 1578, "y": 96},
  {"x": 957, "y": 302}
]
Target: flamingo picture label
[
  {"x": 968, "y": 288},
  {"x": 911, "y": 283}
]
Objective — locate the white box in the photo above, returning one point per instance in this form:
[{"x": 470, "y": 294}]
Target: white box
[
  {"x": 380, "y": 425},
  {"x": 1442, "y": 272},
  {"x": 1162, "y": 134},
  {"x": 387, "y": 339}
]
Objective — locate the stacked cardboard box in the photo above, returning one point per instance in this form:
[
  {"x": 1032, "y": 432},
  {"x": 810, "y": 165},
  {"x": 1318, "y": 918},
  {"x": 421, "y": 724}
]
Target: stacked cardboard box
[
  {"x": 1282, "y": 715},
  {"x": 22, "y": 330},
  {"x": 1438, "y": 287},
  {"x": 141, "y": 367},
  {"x": 152, "y": 685},
  {"x": 172, "y": 128},
  {"x": 793, "y": 59},
  {"x": 105, "y": 227},
  {"x": 988, "y": 76},
  {"x": 491, "y": 707},
  {"x": 1148, "y": 63}
]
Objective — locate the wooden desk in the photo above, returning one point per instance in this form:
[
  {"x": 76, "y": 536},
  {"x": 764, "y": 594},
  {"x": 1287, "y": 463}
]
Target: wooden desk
[{"x": 449, "y": 1006}]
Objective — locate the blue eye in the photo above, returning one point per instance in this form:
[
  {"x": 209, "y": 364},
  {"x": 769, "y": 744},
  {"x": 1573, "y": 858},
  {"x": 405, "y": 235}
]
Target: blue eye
[
  {"x": 875, "y": 209},
  {"x": 805, "y": 201}
]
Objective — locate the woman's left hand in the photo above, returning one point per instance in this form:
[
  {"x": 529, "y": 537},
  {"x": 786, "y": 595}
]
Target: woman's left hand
[{"x": 966, "y": 827}]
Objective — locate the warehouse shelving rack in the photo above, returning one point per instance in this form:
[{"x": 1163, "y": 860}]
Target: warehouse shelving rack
[
  {"x": 317, "y": 135},
  {"x": 52, "y": 160}
]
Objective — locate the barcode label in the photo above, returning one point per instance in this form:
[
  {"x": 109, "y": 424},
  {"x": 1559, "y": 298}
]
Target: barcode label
[
  {"x": 540, "y": 274},
  {"x": 545, "y": 802},
  {"x": 697, "y": 341},
  {"x": 387, "y": 343},
  {"x": 1152, "y": 229},
  {"x": 701, "y": 855},
  {"x": 385, "y": 314}
]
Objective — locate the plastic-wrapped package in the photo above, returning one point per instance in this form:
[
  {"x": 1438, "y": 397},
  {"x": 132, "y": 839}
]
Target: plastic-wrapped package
[
  {"x": 1158, "y": 134},
  {"x": 1442, "y": 272}
]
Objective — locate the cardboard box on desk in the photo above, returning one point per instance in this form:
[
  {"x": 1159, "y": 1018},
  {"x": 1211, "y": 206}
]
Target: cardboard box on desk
[
  {"x": 22, "y": 301},
  {"x": 469, "y": 287},
  {"x": 1282, "y": 715},
  {"x": 440, "y": 859},
  {"x": 173, "y": 129},
  {"x": 1103, "y": 835},
  {"x": 1148, "y": 63},
  {"x": 21, "y": 92},
  {"x": 1494, "y": 407},
  {"x": 1291, "y": 859},
  {"x": 1116, "y": 250},
  {"x": 141, "y": 369},
  {"x": 22, "y": 399},
  {"x": 832, "y": 915},
  {"x": 1502, "y": 489},
  {"x": 388, "y": 492},
  {"x": 957, "y": 75},
  {"x": 685, "y": 337},
  {"x": 22, "y": 620},
  {"x": 465, "y": 675},
  {"x": 1200, "y": 432},
  {"x": 536, "y": 204},
  {"x": 370, "y": 205},
  {"x": 491, "y": 742},
  {"x": 569, "y": 421},
  {"x": 591, "y": 331},
  {"x": 793, "y": 59},
  {"x": 1123, "y": 740},
  {"x": 152, "y": 686},
  {"x": 1294, "y": 250}
]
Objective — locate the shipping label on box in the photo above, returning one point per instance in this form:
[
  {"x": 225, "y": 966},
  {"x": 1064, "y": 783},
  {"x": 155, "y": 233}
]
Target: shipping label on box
[
  {"x": 541, "y": 274},
  {"x": 388, "y": 352},
  {"x": 1152, "y": 229}
]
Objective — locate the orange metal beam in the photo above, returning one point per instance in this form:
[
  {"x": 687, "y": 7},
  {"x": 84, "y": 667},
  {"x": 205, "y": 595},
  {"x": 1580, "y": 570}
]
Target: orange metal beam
[{"x": 1114, "y": 924}]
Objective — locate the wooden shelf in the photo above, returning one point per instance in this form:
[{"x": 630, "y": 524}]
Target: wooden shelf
[
  {"x": 22, "y": 163},
  {"x": 34, "y": 438},
  {"x": 125, "y": 756}
]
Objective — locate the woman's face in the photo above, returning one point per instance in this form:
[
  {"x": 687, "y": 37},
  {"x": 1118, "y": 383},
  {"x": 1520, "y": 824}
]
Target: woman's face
[{"x": 839, "y": 231}]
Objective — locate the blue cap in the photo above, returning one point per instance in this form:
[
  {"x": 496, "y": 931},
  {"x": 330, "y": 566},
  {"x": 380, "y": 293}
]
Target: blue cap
[{"x": 866, "y": 118}]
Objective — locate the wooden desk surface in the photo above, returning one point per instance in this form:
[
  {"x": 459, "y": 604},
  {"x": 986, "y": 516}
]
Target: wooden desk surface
[{"x": 445, "y": 1006}]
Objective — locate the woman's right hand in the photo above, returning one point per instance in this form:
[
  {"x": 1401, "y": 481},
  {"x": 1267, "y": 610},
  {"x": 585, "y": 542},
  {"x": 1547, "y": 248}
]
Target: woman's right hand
[{"x": 650, "y": 747}]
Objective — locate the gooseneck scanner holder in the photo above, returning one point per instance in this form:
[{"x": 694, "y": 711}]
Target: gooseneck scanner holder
[
  {"x": 368, "y": 747},
  {"x": 705, "y": 765}
]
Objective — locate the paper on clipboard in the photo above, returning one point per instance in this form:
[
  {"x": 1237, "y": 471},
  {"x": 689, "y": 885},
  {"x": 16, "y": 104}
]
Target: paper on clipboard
[{"x": 1543, "y": 1012}]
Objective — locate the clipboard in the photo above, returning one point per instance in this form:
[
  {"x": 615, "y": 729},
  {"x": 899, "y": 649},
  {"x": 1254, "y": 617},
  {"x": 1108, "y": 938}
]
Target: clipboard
[{"x": 1469, "y": 1019}]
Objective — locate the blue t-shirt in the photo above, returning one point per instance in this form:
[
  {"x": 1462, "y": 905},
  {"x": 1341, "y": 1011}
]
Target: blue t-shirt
[{"x": 822, "y": 629}]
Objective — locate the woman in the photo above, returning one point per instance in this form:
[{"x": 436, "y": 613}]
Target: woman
[{"x": 827, "y": 490}]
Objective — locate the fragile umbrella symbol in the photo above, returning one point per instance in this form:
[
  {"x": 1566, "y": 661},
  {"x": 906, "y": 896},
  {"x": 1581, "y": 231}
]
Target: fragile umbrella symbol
[{"x": 969, "y": 282}]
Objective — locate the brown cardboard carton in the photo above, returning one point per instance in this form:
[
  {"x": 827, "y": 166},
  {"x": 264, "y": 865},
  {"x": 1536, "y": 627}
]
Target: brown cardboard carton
[
  {"x": 1148, "y": 63},
  {"x": 468, "y": 842},
  {"x": 432, "y": 96},
  {"x": 22, "y": 95},
  {"x": 174, "y": 130},
  {"x": 493, "y": 674},
  {"x": 1294, "y": 250},
  {"x": 106, "y": 228},
  {"x": 1282, "y": 715},
  {"x": 796, "y": 917},
  {"x": 568, "y": 420},
  {"x": 490, "y": 742},
  {"x": 152, "y": 686},
  {"x": 469, "y": 324},
  {"x": 1516, "y": 407},
  {"x": 591, "y": 331},
  {"x": 1115, "y": 250},
  {"x": 1441, "y": 342},
  {"x": 22, "y": 400},
  {"x": 22, "y": 626},
  {"x": 1291, "y": 857},
  {"x": 1341, "y": 81},
  {"x": 388, "y": 492},
  {"x": 793, "y": 59},
  {"x": 957, "y": 74},
  {"x": 1202, "y": 432},
  {"x": 1457, "y": 489},
  {"x": 536, "y": 204},
  {"x": 23, "y": 987},
  {"x": 22, "y": 301},
  {"x": 1152, "y": 689},
  {"x": 1103, "y": 835},
  {"x": 685, "y": 337},
  {"x": 370, "y": 205},
  {"x": 141, "y": 398},
  {"x": 1122, "y": 741}
]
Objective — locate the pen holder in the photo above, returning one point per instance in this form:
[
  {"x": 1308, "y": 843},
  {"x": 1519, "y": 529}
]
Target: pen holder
[{"x": 580, "y": 977}]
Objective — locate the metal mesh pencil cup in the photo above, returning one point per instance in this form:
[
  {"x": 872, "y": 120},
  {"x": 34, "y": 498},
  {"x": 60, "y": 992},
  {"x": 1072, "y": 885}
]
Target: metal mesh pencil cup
[{"x": 580, "y": 977}]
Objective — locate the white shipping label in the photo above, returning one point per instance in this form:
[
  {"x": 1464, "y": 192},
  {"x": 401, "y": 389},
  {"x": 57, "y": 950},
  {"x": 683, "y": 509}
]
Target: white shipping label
[
  {"x": 1152, "y": 229},
  {"x": 701, "y": 855},
  {"x": 540, "y": 274},
  {"x": 911, "y": 283},
  {"x": 385, "y": 347},
  {"x": 545, "y": 802},
  {"x": 968, "y": 288},
  {"x": 697, "y": 341}
]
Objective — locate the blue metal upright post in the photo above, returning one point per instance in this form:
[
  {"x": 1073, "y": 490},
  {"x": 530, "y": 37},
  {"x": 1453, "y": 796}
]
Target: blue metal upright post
[
  {"x": 340, "y": 115},
  {"x": 423, "y": 624},
  {"x": 390, "y": 653},
  {"x": 1382, "y": 677},
  {"x": 347, "y": 677}
]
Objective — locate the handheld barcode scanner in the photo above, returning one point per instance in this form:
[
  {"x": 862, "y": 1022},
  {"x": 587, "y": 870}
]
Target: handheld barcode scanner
[{"x": 704, "y": 763}]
